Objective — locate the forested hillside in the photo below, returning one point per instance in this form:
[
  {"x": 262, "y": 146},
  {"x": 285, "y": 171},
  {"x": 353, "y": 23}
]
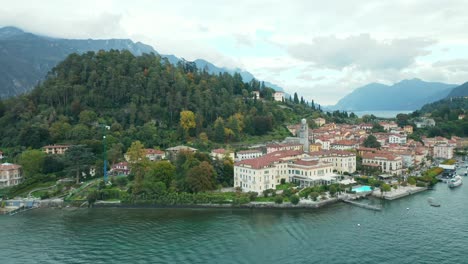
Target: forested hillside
[{"x": 140, "y": 98}]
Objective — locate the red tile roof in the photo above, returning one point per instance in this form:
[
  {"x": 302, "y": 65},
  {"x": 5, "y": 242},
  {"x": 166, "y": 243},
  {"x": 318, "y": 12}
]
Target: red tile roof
[{"x": 9, "y": 166}]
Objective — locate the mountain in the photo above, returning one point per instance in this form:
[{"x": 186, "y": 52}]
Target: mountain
[
  {"x": 26, "y": 58},
  {"x": 406, "y": 95},
  {"x": 140, "y": 98},
  {"x": 459, "y": 91}
]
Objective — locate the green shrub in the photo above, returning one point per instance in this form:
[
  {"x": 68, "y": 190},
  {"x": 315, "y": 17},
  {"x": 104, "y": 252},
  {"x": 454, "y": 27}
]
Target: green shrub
[
  {"x": 252, "y": 196},
  {"x": 314, "y": 195},
  {"x": 279, "y": 199},
  {"x": 283, "y": 181},
  {"x": 420, "y": 184},
  {"x": 294, "y": 199}
]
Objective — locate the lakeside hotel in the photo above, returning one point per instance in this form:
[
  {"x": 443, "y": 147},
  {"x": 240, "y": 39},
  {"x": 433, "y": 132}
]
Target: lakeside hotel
[{"x": 293, "y": 165}]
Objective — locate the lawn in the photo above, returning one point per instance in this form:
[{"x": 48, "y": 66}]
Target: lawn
[{"x": 285, "y": 186}]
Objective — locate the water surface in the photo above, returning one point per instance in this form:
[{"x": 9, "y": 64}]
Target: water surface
[{"x": 422, "y": 234}]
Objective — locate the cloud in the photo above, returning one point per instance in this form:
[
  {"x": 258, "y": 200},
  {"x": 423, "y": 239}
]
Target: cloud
[{"x": 361, "y": 51}]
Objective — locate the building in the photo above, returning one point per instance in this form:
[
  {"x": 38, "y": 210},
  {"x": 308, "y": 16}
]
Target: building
[
  {"x": 443, "y": 151},
  {"x": 248, "y": 154},
  {"x": 342, "y": 161},
  {"x": 425, "y": 122},
  {"x": 255, "y": 95},
  {"x": 172, "y": 153},
  {"x": 55, "y": 149},
  {"x": 285, "y": 146},
  {"x": 221, "y": 154},
  {"x": 461, "y": 116},
  {"x": 155, "y": 154},
  {"x": 366, "y": 126},
  {"x": 10, "y": 175},
  {"x": 265, "y": 172},
  {"x": 120, "y": 168},
  {"x": 278, "y": 96},
  {"x": 304, "y": 135},
  {"x": 315, "y": 147},
  {"x": 320, "y": 121},
  {"x": 1, "y": 155},
  {"x": 344, "y": 145},
  {"x": 324, "y": 142},
  {"x": 408, "y": 129},
  {"x": 311, "y": 172},
  {"x": 397, "y": 139},
  {"x": 386, "y": 162},
  {"x": 389, "y": 125}
]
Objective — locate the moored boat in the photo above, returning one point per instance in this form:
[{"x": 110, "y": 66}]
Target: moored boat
[{"x": 455, "y": 182}]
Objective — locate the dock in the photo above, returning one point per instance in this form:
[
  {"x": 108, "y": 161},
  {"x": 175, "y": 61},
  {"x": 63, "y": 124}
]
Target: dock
[{"x": 365, "y": 206}]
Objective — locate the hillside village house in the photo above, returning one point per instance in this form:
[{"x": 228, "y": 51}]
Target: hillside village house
[
  {"x": 172, "y": 153},
  {"x": 389, "y": 125},
  {"x": 443, "y": 151},
  {"x": 221, "y": 154},
  {"x": 278, "y": 96},
  {"x": 55, "y": 149},
  {"x": 248, "y": 154},
  {"x": 320, "y": 121},
  {"x": 10, "y": 175},
  {"x": 386, "y": 162},
  {"x": 397, "y": 139},
  {"x": 408, "y": 129},
  {"x": 255, "y": 95},
  {"x": 425, "y": 122},
  {"x": 120, "y": 168},
  {"x": 155, "y": 154}
]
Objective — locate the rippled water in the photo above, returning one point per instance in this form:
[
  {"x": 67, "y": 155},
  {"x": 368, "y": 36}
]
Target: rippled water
[{"x": 422, "y": 234}]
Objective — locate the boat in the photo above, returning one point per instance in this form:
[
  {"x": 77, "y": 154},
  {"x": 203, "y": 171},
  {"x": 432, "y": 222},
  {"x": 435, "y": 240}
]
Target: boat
[
  {"x": 455, "y": 182},
  {"x": 432, "y": 202}
]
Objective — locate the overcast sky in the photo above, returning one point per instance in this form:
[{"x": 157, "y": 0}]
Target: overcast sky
[{"x": 320, "y": 49}]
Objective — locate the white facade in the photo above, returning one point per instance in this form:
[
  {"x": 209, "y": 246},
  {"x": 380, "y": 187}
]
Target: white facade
[
  {"x": 278, "y": 96},
  {"x": 443, "y": 151},
  {"x": 342, "y": 161},
  {"x": 386, "y": 162},
  {"x": 248, "y": 154},
  {"x": 397, "y": 139}
]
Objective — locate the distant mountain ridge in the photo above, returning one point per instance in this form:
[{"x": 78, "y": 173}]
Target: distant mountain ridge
[
  {"x": 406, "y": 95},
  {"x": 459, "y": 91},
  {"x": 26, "y": 58}
]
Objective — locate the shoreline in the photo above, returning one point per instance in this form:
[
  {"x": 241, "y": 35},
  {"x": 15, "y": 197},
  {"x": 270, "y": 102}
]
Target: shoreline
[{"x": 303, "y": 204}]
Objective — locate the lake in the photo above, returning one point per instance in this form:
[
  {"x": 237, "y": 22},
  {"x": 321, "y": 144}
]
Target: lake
[
  {"x": 339, "y": 233},
  {"x": 382, "y": 114}
]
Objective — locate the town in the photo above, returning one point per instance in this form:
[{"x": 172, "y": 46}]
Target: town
[{"x": 328, "y": 154}]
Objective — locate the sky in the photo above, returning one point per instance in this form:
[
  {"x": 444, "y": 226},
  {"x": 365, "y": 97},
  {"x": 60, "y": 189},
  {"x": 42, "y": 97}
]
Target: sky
[{"x": 320, "y": 49}]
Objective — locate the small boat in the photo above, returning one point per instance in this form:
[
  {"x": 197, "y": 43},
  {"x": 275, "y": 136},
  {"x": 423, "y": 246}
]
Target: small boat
[
  {"x": 432, "y": 202},
  {"x": 455, "y": 182}
]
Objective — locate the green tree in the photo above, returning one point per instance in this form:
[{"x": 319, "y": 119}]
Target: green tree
[
  {"x": 371, "y": 142},
  {"x": 201, "y": 178},
  {"x": 386, "y": 187},
  {"x": 78, "y": 158},
  {"x": 32, "y": 162},
  {"x": 138, "y": 163},
  {"x": 161, "y": 171},
  {"x": 219, "y": 130}
]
